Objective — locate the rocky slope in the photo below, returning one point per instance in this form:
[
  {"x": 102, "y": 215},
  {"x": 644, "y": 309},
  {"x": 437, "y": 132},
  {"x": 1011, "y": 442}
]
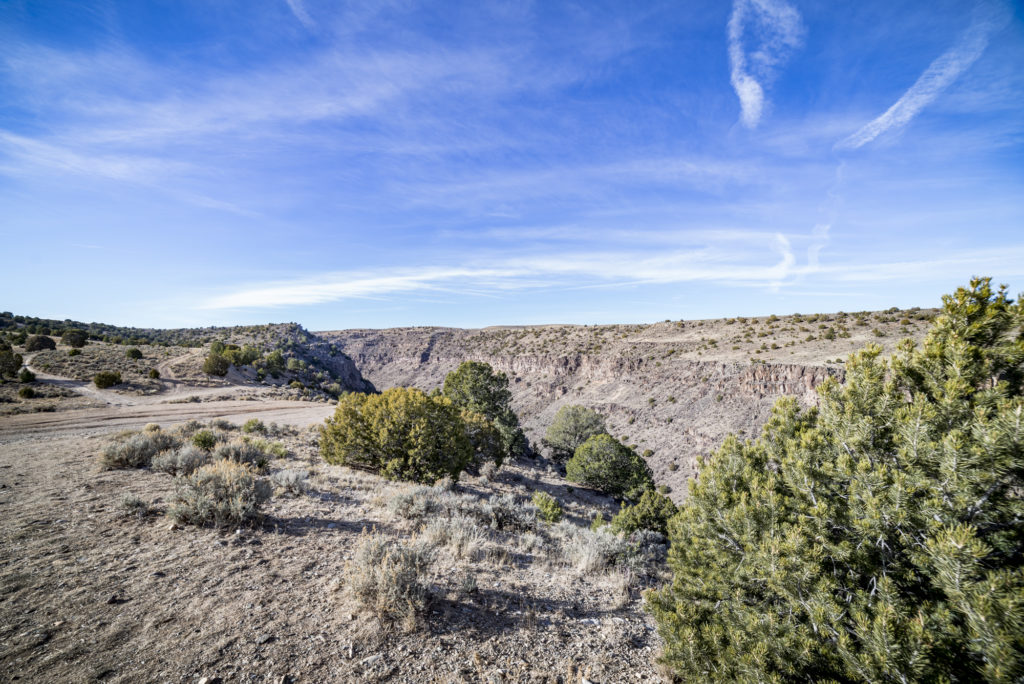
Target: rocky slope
[
  {"x": 178, "y": 354},
  {"x": 674, "y": 388}
]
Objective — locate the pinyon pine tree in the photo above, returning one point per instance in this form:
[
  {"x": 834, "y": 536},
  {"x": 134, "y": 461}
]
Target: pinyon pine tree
[
  {"x": 477, "y": 387},
  {"x": 877, "y": 538}
]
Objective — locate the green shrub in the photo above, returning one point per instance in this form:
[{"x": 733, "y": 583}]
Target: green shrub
[
  {"x": 571, "y": 427},
  {"x": 485, "y": 440},
  {"x": 244, "y": 356},
  {"x": 295, "y": 384},
  {"x": 133, "y": 353},
  {"x": 651, "y": 512},
  {"x": 154, "y": 374},
  {"x": 875, "y": 538},
  {"x": 74, "y": 338},
  {"x": 105, "y": 379},
  {"x": 215, "y": 364},
  {"x": 26, "y": 393},
  {"x": 74, "y": 352},
  {"x": 39, "y": 343},
  {"x": 401, "y": 433},
  {"x": 604, "y": 463},
  {"x": 204, "y": 439},
  {"x": 275, "y": 362},
  {"x": 26, "y": 375},
  {"x": 548, "y": 508},
  {"x": 475, "y": 386},
  {"x": 223, "y": 493},
  {"x": 254, "y": 425}
]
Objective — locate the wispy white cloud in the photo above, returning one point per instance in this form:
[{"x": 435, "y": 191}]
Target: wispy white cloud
[
  {"x": 766, "y": 261},
  {"x": 299, "y": 10},
  {"x": 987, "y": 18},
  {"x": 742, "y": 258},
  {"x": 27, "y": 155},
  {"x": 762, "y": 35}
]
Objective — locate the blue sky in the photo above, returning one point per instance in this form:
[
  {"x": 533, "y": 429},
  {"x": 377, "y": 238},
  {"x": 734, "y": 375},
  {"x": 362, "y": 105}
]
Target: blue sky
[{"x": 375, "y": 164}]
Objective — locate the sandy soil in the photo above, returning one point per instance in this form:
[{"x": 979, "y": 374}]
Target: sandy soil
[{"x": 87, "y": 594}]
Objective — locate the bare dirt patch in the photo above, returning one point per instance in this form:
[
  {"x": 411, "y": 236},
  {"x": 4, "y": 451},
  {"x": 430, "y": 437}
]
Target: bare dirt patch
[{"x": 88, "y": 594}]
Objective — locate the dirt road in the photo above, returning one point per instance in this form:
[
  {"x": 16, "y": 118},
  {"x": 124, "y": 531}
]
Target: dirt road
[{"x": 80, "y": 421}]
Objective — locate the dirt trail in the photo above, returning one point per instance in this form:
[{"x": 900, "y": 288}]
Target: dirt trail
[
  {"x": 173, "y": 387},
  {"x": 84, "y": 388},
  {"x": 127, "y": 416},
  {"x": 127, "y": 411}
]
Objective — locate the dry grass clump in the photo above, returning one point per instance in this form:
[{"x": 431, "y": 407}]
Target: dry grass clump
[
  {"x": 134, "y": 507},
  {"x": 136, "y": 450},
  {"x": 275, "y": 449},
  {"x": 189, "y": 428},
  {"x": 222, "y": 425},
  {"x": 388, "y": 578},
  {"x": 461, "y": 535},
  {"x": 293, "y": 481},
  {"x": 504, "y": 512},
  {"x": 488, "y": 471},
  {"x": 242, "y": 452},
  {"x": 591, "y": 551},
  {"x": 222, "y": 493},
  {"x": 417, "y": 503},
  {"x": 499, "y": 512},
  {"x": 183, "y": 461}
]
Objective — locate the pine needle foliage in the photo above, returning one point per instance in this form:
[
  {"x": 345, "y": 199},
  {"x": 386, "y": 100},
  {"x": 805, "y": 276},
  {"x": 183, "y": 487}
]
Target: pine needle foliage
[
  {"x": 572, "y": 426},
  {"x": 604, "y": 463},
  {"x": 877, "y": 538},
  {"x": 401, "y": 433},
  {"x": 476, "y": 387}
]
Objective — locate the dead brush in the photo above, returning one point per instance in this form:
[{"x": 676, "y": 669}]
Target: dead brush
[
  {"x": 461, "y": 535},
  {"x": 136, "y": 450},
  {"x": 590, "y": 551},
  {"x": 292, "y": 481},
  {"x": 183, "y": 461},
  {"x": 389, "y": 578},
  {"x": 135, "y": 507},
  {"x": 222, "y": 493},
  {"x": 242, "y": 452},
  {"x": 488, "y": 471}
]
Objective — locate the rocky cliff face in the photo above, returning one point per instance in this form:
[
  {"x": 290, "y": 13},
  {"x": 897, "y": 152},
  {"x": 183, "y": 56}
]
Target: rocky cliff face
[{"x": 676, "y": 389}]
